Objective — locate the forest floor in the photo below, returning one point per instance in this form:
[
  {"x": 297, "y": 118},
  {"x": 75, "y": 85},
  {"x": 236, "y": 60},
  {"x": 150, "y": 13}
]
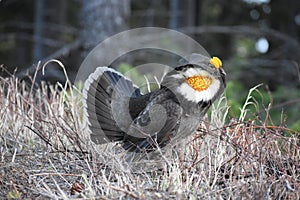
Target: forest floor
[{"x": 46, "y": 153}]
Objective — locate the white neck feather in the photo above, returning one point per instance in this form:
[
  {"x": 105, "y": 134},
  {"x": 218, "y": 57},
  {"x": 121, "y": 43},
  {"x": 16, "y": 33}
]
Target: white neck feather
[{"x": 197, "y": 96}]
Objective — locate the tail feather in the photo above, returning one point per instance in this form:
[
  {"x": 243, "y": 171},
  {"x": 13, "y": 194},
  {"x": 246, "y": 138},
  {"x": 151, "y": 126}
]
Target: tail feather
[
  {"x": 100, "y": 109},
  {"x": 106, "y": 126},
  {"x": 97, "y": 99}
]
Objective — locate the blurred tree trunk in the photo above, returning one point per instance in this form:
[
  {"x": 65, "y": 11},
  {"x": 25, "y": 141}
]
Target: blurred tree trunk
[
  {"x": 101, "y": 19},
  {"x": 175, "y": 13},
  {"x": 49, "y": 19},
  {"x": 55, "y": 18},
  {"x": 195, "y": 13},
  {"x": 49, "y": 22},
  {"x": 284, "y": 20},
  {"x": 38, "y": 49},
  {"x": 292, "y": 26},
  {"x": 185, "y": 13}
]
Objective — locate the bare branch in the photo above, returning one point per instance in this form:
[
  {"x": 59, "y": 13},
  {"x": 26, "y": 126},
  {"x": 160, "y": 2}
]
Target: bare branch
[
  {"x": 243, "y": 30},
  {"x": 59, "y": 53}
]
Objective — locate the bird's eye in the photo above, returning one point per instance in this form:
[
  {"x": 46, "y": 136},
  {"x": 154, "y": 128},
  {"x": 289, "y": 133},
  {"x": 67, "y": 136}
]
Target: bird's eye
[
  {"x": 184, "y": 67},
  {"x": 179, "y": 68},
  {"x": 189, "y": 66}
]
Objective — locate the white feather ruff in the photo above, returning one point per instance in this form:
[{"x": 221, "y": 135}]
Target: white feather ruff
[{"x": 197, "y": 96}]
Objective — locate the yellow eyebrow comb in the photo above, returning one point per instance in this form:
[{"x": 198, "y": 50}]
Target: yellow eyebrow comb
[{"x": 215, "y": 61}]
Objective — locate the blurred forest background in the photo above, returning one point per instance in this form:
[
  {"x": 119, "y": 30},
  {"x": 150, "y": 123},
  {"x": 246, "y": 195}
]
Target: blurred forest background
[{"x": 258, "y": 40}]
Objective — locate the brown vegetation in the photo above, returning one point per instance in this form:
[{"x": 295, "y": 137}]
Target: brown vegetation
[{"x": 46, "y": 152}]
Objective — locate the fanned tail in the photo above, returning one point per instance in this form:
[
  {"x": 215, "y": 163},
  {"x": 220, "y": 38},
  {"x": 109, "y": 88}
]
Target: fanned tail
[{"x": 100, "y": 90}]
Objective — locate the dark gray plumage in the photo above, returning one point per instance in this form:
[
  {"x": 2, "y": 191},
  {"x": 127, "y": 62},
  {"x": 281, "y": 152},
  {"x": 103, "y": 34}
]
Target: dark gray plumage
[{"x": 117, "y": 111}]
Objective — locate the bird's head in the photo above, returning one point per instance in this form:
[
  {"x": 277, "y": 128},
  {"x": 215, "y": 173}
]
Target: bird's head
[{"x": 198, "y": 78}]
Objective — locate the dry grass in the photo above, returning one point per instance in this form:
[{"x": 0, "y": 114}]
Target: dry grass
[{"x": 46, "y": 152}]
